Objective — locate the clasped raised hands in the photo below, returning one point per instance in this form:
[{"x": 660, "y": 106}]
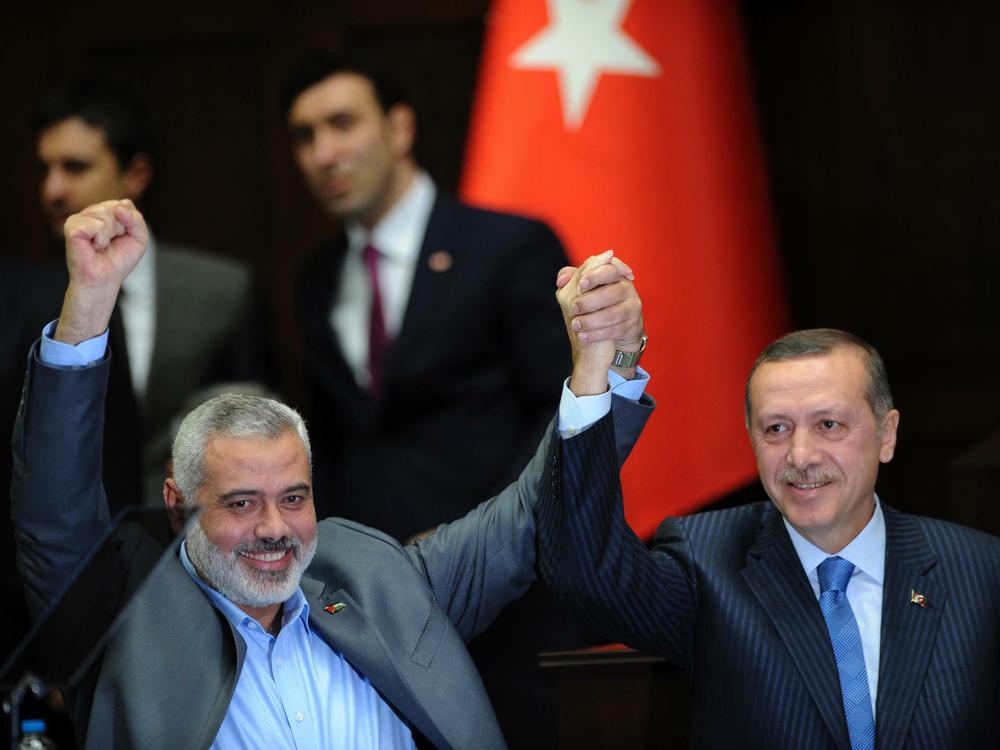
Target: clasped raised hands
[{"x": 603, "y": 314}]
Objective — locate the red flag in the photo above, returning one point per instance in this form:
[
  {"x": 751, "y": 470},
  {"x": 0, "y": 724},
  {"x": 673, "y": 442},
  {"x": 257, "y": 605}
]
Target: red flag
[{"x": 629, "y": 124}]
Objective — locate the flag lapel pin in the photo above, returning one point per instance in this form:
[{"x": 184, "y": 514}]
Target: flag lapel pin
[
  {"x": 334, "y": 608},
  {"x": 439, "y": 261},
  {"x": 917, "y": 598}
]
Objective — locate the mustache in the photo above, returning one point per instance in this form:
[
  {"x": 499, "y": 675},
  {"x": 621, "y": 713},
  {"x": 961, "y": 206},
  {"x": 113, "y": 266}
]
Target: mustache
[
  {"x": 811, "y": 476},
  {"x": 269, "y": 545},
  {"x": 56, "y": 206}
]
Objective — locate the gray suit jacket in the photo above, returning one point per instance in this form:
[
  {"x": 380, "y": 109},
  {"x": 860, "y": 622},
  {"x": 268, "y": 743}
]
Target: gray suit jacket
[
  {"x": 166, "y": 679},
  {"x": 205, "y": 334}
]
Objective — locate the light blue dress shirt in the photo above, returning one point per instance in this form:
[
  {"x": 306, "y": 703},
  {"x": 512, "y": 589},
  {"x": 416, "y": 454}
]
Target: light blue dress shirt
[
  {"x": 61, "y": 354},
  {"x": 577, "y": 413},
  {"x": 296, "y": 692}
]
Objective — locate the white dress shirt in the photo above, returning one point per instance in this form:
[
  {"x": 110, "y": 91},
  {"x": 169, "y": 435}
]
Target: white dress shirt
[
  {"x": 397, "y": 237},
  {"x": 137, "y": 305}
]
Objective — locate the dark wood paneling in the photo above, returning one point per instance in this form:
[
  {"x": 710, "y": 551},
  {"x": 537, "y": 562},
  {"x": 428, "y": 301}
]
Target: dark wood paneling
[{"x": 879, "y": 122}]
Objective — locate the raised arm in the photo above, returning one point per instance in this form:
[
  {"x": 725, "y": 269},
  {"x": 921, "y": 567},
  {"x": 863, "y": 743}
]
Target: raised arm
[
  {"x": 479, "y": 563},
  {"x": 595, "y": 565},
  {"x": 58, "y": 504},
  {"x": 104, "y": 242}
]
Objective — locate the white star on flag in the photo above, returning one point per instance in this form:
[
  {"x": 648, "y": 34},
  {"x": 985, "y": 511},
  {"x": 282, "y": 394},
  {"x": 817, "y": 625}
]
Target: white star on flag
[{"x": 584, "y": 40}]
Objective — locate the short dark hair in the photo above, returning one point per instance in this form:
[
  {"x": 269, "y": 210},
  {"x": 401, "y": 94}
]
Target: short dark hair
[
  {"x": 114, "y": 107},
  {"x": 318, "y": 65},
  {"x": 820, "y": 341}
]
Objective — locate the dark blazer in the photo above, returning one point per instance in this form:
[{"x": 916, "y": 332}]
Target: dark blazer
[
  {"x": 470, "y": 382},
  {"x": 168, "y": 673},
  {"x": 724, "y": 595},
  {"x": 30, "y": 296}
]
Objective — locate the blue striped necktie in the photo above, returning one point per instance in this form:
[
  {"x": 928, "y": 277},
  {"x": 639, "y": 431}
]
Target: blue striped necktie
[{"x": 834, "y": 575}]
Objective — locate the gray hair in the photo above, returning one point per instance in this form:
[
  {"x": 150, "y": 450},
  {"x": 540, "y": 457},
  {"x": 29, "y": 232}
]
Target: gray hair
[
  {"x": 820, "y": 341},
  {"x": 237, "y": 415}
]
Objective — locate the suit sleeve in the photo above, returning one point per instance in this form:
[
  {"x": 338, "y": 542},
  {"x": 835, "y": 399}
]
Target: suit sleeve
[
  {"x": 486, "y": 559},
  {"x": 598, "y": 568},
  {"x": 57, "y": 501},
  {"x": 539, "y": 350}
]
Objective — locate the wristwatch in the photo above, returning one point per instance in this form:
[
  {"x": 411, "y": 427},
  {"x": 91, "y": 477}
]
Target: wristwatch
[{"x": 630, "y": 359}]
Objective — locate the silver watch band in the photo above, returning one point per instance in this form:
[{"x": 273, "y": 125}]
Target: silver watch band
[{"x": 630, "y": 359}]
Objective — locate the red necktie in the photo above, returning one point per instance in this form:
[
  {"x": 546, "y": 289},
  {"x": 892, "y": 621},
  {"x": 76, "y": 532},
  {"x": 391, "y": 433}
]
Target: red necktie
[{"x": 378, "y": 340}]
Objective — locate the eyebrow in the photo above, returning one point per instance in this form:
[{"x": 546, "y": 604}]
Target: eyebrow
[
  {"x": 325, "y": 118},
  {"x": 240, "y": 493},
  {"x": 300, "y": 487},
  {"x": 824, "y": 412}
]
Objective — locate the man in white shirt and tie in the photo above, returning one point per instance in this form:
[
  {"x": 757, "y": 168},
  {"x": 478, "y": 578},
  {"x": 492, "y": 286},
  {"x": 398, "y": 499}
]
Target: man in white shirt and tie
[
  {"x": 417, "y": 413},
  {"x": 184, "y": 319}
]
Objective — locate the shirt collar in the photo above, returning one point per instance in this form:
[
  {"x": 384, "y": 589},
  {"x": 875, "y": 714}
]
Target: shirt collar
[
  {"x": 295, "y": 606},
  {"x": 866, "y": 551},
  {"x": 398, "y": 234},
  {"x": 142, "y": 280}
]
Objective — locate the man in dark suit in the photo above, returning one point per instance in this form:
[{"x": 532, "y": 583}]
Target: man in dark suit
[
  {"x": 417, "y": 412},
  {"x": 451, "y": 280},
  {"x": 822, "y": 619},
  {"x": 270, "y": 630},
  {"x": 184, "y": 321}
]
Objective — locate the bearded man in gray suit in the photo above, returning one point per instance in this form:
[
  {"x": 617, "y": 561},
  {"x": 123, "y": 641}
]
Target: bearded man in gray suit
[{"x": 269, "y": 630}]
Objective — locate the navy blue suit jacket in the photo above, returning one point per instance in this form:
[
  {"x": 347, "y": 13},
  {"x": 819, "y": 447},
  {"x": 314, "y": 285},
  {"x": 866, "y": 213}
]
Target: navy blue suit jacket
[
  {"x": 724, "y": 595},
  {"x": 469, "y": 384}
]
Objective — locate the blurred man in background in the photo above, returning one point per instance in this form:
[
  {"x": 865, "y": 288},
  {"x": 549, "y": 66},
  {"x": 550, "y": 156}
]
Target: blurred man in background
[
  {"x": 416, "y": 410},
  {"x": 183, "y": 321}
]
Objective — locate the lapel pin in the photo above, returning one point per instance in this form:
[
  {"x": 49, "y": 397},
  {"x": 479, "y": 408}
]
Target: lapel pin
[
  {"x": 439, "y": 261},
  {"x": 334, "y": 608},
  {"x": 917, "y": 598}
]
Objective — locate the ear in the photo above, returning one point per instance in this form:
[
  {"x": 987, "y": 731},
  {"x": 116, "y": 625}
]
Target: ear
[
  {"x": 887, "y": 434},
  {"x": 174, "y": 501},
  {"x": 137, "y": 177},
  {"x": 402, "y": 122}
]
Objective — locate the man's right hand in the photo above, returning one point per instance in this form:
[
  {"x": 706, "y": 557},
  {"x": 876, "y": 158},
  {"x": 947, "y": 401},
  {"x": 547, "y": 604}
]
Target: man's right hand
[
  {"x": 603, "y": 313},
  {"x": 104, "y": 242}
]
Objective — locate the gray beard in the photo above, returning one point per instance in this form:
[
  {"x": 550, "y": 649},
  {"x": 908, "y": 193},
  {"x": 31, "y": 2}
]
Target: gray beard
[{"x": 241, "y": 584}]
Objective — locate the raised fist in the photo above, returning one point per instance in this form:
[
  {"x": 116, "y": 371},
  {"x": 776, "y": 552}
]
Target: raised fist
[{"x": 104, "y": 242}]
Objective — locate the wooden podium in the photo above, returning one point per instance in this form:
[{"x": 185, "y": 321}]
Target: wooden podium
[{"x": 615, "y": 697}]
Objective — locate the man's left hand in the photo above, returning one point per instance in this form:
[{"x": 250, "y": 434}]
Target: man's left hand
[{"x": 603, "y": 314}]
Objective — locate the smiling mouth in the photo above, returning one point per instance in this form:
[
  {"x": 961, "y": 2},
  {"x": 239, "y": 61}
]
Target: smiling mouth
[
  {"x": 266, "y": 557},
  {"x": 807, "y": 485}
]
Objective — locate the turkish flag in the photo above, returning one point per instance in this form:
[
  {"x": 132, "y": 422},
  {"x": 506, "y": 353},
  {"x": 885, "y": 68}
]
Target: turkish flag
[{"x": 629, "y": 124}]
